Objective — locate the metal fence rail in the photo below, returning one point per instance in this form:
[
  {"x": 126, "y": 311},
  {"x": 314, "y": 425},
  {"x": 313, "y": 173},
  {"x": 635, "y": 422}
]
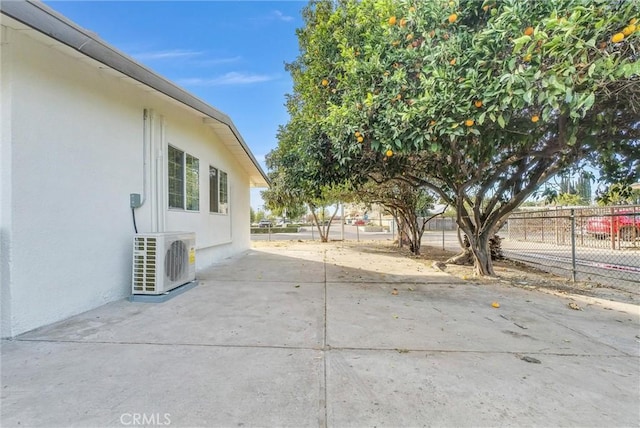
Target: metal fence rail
[{"x": 593, "y": 241}]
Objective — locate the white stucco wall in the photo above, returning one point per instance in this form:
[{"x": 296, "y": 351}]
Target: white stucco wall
[{"x": 71, "y": 154}]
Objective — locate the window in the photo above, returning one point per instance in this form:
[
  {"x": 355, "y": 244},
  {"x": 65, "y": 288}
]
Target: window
[
  {"x": 218, "y": 191},
  {"x": 175, "y": 160},
  {"x": 193, "y": 183},
  {"x": 184, "y": 180},
  {"x": 224, "y": 192}
]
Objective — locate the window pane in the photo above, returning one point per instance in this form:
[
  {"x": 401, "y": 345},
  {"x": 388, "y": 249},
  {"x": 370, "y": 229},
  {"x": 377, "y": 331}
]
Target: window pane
[
  {"x": 224, "y": 193},
  {"x": 213, "y": 189},
  {"x": 175, "y": 161},
  {"x": 193, "y": 183}
]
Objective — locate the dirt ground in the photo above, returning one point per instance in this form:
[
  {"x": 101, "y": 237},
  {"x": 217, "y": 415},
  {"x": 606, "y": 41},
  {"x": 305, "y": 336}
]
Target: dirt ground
[
  {"x": 508, "y": 272},
  {"x": 521, "y": 275}
]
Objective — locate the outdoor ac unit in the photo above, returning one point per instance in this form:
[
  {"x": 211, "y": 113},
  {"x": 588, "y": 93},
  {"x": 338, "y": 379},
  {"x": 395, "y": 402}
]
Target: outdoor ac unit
[{"x": 163, "y": 261}]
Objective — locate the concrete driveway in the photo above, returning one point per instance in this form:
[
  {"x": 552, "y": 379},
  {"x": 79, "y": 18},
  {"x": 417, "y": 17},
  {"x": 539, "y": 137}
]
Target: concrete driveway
[{"x": 300, "y": 334}]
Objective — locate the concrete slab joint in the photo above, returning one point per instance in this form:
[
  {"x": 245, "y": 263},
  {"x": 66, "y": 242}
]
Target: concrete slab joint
[{"x": 329, "y": 335}]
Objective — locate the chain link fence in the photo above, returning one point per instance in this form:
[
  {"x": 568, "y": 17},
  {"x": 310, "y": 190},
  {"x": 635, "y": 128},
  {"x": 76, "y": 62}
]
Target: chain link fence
[
  {"x": 598, "y": 244},
  {"x": 589, "y": 243}
]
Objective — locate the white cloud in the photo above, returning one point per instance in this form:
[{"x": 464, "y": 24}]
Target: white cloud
[
  {"x": 217, "y": 61},
  {"x": 169, "y": 54},
  {"x": 276, "y": 14},
  {"x": 232, "y": 78}
]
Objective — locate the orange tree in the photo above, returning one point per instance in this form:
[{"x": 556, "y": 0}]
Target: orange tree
[
  {"x": 303, "y": 168},
  {"x": 478, "y": 102}
]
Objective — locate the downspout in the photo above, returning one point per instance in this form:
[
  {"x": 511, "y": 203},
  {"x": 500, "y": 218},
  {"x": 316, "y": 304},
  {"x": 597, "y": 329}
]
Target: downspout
[
  {"x": 161, "y": 173},
  {"x": 145, "y": 148}
]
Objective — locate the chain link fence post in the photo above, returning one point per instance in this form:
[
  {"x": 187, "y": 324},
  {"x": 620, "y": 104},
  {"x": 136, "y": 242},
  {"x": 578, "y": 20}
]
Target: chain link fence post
[
  {"x": 443, "y": 227},
  {"x": 573, "y": 245}
]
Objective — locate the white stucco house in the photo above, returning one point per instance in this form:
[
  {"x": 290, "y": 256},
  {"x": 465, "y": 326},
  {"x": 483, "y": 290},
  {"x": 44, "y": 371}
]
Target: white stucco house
[{"x": 83, "y": 127}]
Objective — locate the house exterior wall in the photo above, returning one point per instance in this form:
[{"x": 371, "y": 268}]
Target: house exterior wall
[{"x": 75, "y": 144}]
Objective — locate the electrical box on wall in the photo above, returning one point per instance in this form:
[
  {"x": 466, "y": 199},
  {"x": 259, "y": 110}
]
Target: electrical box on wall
[{"x": 135, "y": 200}]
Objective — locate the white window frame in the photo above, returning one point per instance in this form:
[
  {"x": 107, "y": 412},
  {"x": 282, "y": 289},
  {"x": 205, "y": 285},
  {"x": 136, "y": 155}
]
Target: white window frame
[
  {"x": 218, "y": 197},
  {"x": 189, "y": 193}
]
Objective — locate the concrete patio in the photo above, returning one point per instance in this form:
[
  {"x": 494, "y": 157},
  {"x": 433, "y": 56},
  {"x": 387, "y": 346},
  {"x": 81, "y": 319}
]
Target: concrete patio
[{"x": 304, "y": 334}]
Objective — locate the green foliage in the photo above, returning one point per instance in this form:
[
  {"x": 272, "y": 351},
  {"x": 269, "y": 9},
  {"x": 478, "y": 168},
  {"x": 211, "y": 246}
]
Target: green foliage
[
  {"x": 259, "y": 215},
  {"x": 618, "y": 194},
  {"x": 481, "y": 109},
  {"x": 568, "y": 199}
]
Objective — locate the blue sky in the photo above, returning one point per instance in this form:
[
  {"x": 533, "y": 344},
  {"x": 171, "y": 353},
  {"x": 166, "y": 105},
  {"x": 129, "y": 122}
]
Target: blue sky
[{"x": 230, "y": 54}]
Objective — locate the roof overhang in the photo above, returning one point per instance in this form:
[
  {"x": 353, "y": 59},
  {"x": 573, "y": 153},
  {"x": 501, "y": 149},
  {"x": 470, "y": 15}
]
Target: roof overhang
[{"x": 39, "y": 17}]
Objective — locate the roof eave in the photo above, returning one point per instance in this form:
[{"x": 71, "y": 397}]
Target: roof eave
[{"x": 46, "y": 21}]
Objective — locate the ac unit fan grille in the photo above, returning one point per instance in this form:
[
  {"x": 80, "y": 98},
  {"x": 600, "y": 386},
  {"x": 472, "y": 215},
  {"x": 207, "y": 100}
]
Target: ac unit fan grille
[
  {"x": 144, "y": 269},
  {"x": 175, "y": 262}
]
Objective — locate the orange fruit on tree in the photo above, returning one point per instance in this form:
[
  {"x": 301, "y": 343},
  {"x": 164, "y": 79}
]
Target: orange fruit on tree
[
  {"x": 628, "y": 29},
  {"x": 469, "y": 122},
  {"x": 453, "y": 18},
  {"x": 485, "y": 8},
  {"x": 433, "y": 122},
  {"x": 389, "y": 153},
  {"x": 409, "y": 36},
  {"x": 528, "y": 31},
  {"x": 360, "y": 139},
  {"x": 412, "y": 9},
  {"x": 535, "y": 118},
  {"x": 357, "y": 134},
  {"x": 403, "y": 22},
  {"x": 617, "y": 38},
  {"x": 452, "y": 62},
  {"x": 632, "y": 21},
  {"x": 477, "y": 103},
  {"x": 392, "y": 20}
]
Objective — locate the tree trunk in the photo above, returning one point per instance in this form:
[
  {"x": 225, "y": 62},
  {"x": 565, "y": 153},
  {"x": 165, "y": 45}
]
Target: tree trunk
[
  {"x": 479, "y": 246},
  {"x": 322, "y": 230},
  {"x": 475, "y": 251}
]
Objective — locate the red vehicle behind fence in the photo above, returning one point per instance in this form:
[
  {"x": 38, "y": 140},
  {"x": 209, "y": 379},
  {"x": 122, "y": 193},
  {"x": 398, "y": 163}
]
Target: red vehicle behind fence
[{"x": 626, "y": 223}]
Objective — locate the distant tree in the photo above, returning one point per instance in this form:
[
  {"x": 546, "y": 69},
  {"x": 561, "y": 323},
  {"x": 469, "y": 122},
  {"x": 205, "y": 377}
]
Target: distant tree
[
  {"x": 259, "y": 215},
  {"x": 583, "y": 189},
  {"x": 566, "y": 186},
  {"x": 568, "y": 199}
]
